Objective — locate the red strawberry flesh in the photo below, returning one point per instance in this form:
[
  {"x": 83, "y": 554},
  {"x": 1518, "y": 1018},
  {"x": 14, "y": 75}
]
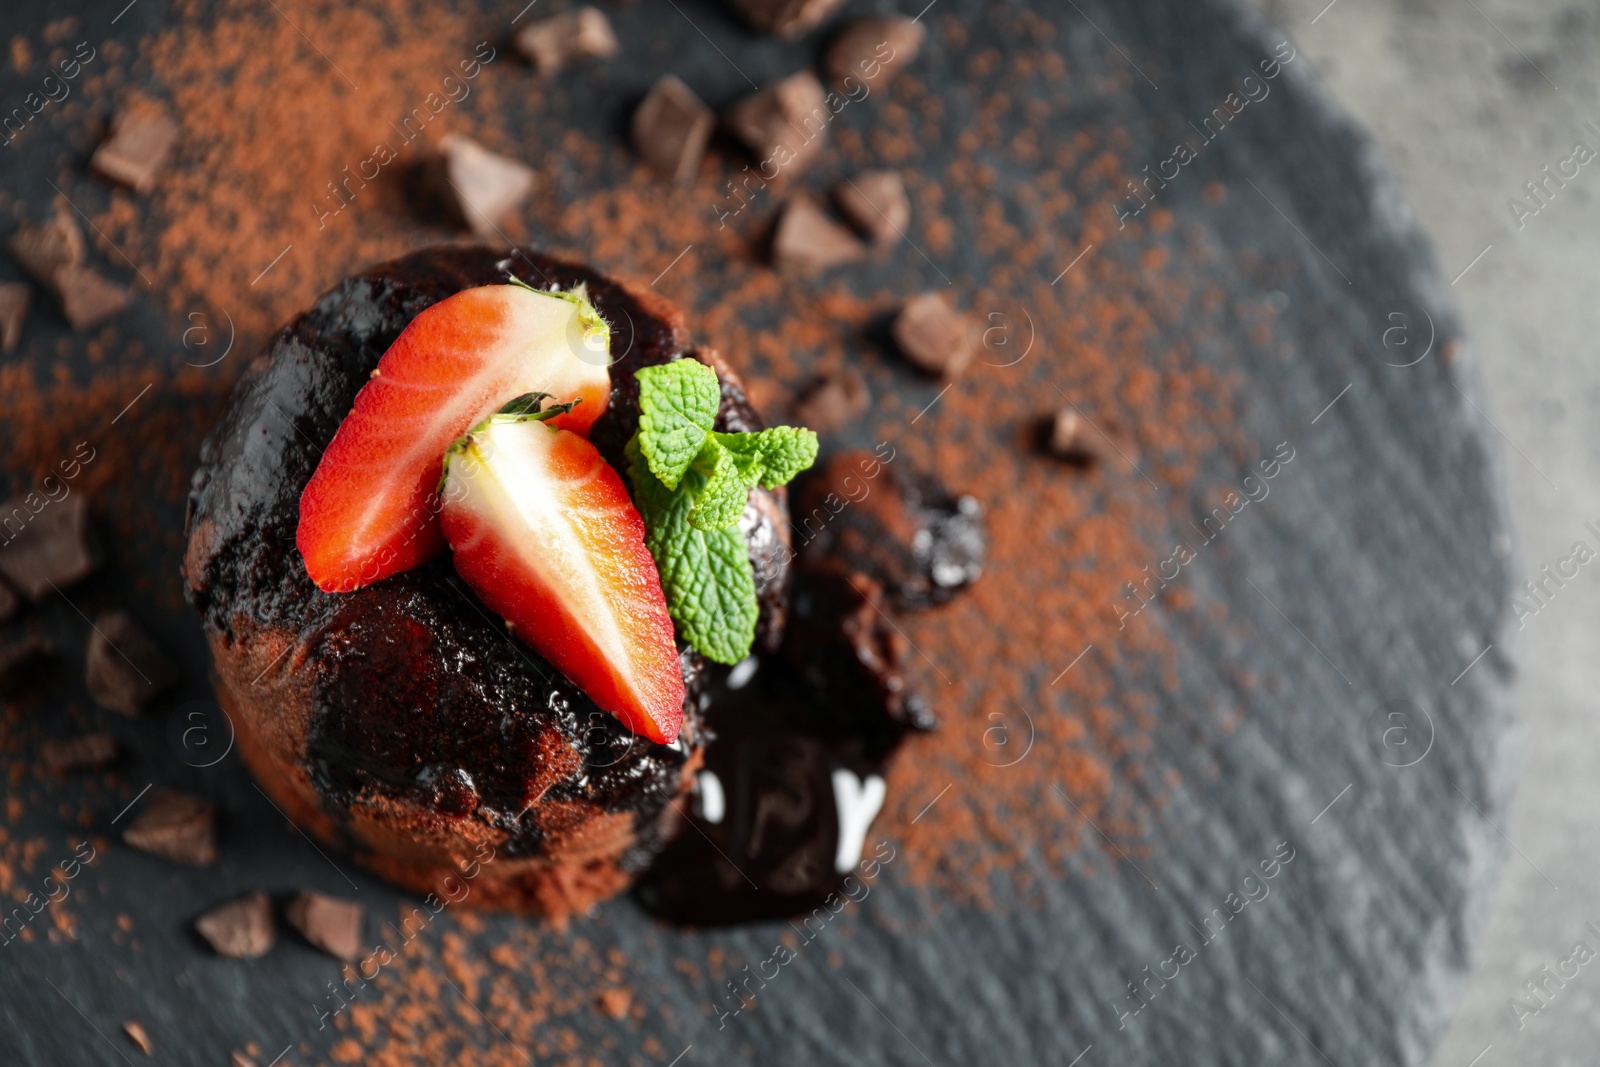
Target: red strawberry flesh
[
  {"x": 544, "y": 532},
  {"x": 370, "y": 510}
]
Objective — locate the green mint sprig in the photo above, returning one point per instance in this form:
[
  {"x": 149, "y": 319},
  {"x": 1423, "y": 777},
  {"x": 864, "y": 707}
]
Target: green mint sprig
[{"x": 691, "y": 484}]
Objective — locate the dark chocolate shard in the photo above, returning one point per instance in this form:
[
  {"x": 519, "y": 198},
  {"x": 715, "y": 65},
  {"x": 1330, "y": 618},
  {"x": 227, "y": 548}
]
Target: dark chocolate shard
[
  {"x": 86, "y": 752},
  {"x": 786, "y": 18},
  {"x": 834, "y": 401},
  {"x": 124, "y": 669},
  {"x": 177, "y": 827},
  {"x": 330, "y": 924},
  {"x": 872, "y": 51},
  {"x": 45, "y": 545},
  {"x": 87, "y": 297},
  {"x": 139, "y": 144},
  {"x": 483, "y": 187},
  {"x": 670, "y": 130},
  {"x": 935, "y": 336},
  {"x": 785, "y": 124},
  {"x": 9, "y": 603},
  {"x": 44, "y": 248},
  {"x": 550, "y": 43},
  {"x": 15, "y": 297},
  {"x": 18, "y": 660},
  {"x": 241, "y": 929},
  {"x": 809, "y": 241},
  {"x": 1068, "y": 438},
  {"x": 876, "y": 204}
]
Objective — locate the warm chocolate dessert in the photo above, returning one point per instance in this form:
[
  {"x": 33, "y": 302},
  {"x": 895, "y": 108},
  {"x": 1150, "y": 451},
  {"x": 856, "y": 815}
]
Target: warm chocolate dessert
[{"x": 402, "y": 721}]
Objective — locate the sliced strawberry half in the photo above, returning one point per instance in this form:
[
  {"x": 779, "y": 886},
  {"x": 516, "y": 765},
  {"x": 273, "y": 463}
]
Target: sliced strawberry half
[
  {"x": 370, "y": 509},
  {"x": 544, "y": 531}
]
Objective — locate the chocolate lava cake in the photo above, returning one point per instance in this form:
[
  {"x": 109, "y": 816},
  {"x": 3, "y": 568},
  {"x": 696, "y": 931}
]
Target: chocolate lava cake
[{"x": 403, "y": 722}]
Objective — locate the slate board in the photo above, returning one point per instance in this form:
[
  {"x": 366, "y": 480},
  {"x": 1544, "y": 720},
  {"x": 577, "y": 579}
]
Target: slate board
[{"x": 1387, "y": 555}]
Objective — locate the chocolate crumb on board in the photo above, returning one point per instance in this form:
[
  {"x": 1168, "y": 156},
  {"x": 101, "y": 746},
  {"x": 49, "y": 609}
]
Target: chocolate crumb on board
[
  {"x": 177, "y": 827},
  {"x": 482, "y": 186},
  {"x": 876, "y": 204},
  {"x": 834, "y": 401},
  {"x": 14, "y": 300},
  {"x": 785, "y": 123},
  {"x": 873, "y": 50},
  {"x": 87, "y": 297},
  {"x": 124, "y": 669},
  {"x": 550, "y": 42},
  {"x": 786, "y": 18},
  {"x": 935, "y": 336},
  {"x": 670, "y": 130},
  {"x": 17, "y": 659},
  {"x": 85, "y": 752},
  {"x": 50, "y": 546},
  {"x": 9, "y": 602},
  {"x": 808, "y": 240},
  {"x": 614, "y": 1003},
  {"x": 240, "y": 929},
  {"x": 330, "y": 924},
  {"x": 139, "y": 144},
  {"x": 137, "y": 1035},
  {"x": 1068, "y": 438}
]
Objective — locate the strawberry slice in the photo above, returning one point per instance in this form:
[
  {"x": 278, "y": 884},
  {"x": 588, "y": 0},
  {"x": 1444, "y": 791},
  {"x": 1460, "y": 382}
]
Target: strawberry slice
[
  {"x": 370, "y": 509},
  {"x": 545, "y": 533}
]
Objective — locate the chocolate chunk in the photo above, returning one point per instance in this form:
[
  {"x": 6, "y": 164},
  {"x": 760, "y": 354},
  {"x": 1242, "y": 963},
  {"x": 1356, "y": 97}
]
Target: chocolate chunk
[
  {"x": 45, "y": 248},
  {"x": 1069, "y": 438},
  {"x": 876, "y": 204},
  {"x": 87, "y": 297},
  {"x": 483, "y": 187},
  {"x": 124, "y": 669},
  {"x": 670, "y": 130},
  {"x": 809, "y": 241},
  {"x": 873, "y": 51},
  {"x": 16, "y": 660},
  {"x": 331, "y": 924},
  {"x": 614, "y": 1002},
  {"x": 242, "y": 928},
  {"x": 935, "y": 336},
  {"x": 550, "y": 42},
  {"x": 9, "y": 603},
  {"x": 14, "y": 300},
  {"x": 239, "y": 1059},
  {"x": 786, "y": 18},
  {"x": 45, "y": 545},
  {"x": 137, "y": 1035},
  {"x": 177, "y": 827},
  {"x": 88, "y": 752},
  {"x": 834, "y": 401},
  {"x": 138, "y": 145},
  {"x": 900, "y": 528},
  {"x": 784, "y": 124}
]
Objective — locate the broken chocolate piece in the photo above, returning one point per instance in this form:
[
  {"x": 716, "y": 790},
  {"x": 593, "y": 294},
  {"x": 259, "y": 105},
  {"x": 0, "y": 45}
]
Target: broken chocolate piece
[
  {"x": 1068, "y": 438},
  {"x": 331, "y": 924},
  {"x": 9, "y": 602},
  {"x": 873, "y": 51},
  {"x": 786, "y": 18},
  {"x": 241, "y": 929},
  {"x": 834, "y": 401},
  {"x": 239, "y": 1059},
  {"x": 87, "y": 297},
  {"x": 808, "y": 240},
  {"x": 87, "y": 752},
  {"x": 137, "y": 1035},
  {"x": 550, "y": 42},
  {"x": 898, "y": 527},
  {"x": 670, "y": 130},
  {"x": 45, "y": 248},
  {"x": 138, "y": 146},
  {"x": 177, "y": 827},
  {"x": 784, "y": 124},
  {"x": 614, "y": 1003},
  {"x": 935, "y": 336},
  {"x": 484, "y": 187},
  {"x": 14, "y": 300},
  {"x": 876, "y": 204},
  {"x": 45, "y": 545},
  {"x": 124, "y": 669},
  {"x": 16, "y": 660}
]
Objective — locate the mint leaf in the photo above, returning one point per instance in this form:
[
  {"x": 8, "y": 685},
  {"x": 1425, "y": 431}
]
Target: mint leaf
[
  {"x": 678, "y": 404},
  {"x": 772, "y": 457},
  {"x": 706, "y": 574},
  {"x": 720, "y": 503}
]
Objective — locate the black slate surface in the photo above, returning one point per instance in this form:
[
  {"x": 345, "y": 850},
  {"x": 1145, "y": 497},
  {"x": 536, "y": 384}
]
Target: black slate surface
[{"x": 1369, "y": 589}]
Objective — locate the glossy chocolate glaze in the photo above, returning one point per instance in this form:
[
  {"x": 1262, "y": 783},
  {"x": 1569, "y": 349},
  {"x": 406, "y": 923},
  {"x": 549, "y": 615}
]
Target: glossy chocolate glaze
[{"x": 416, "y": 695}]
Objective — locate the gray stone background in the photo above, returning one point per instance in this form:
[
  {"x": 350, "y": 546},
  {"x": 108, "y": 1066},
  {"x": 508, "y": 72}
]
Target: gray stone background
[{"x": 1468, "y": 100}]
